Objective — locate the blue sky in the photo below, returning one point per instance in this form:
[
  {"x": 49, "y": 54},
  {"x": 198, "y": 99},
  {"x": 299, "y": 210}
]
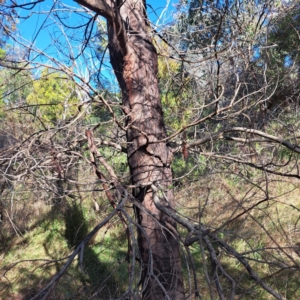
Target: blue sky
[
  {"x": 39, "y": 28},
  {"x": 29, "y": 28}
]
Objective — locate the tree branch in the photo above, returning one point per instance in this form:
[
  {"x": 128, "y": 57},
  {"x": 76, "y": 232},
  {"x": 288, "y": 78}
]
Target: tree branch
[
  {"x": 220, "y": 135},
  {"x": 100, "y": 7}
]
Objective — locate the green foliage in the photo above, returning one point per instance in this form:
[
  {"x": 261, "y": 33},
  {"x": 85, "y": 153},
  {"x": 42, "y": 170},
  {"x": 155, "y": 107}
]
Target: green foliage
[
  {"x": 53, "y": 97},
  {"x": 117, "y": 160},
  {"x": 176, "y": 98},
  {"x": 2, "y": 53},
  {"x": 286, "y": 36},
  {"x": 15, "y": 86},
  {"x": 194, "y": 167}
]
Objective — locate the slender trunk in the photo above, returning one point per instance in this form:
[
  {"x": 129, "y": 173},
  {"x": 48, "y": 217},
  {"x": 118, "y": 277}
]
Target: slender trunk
[{"x": 134, "y": 60}]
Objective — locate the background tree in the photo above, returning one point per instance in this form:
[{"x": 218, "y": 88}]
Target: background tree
[{"x": 53, "y": 97}]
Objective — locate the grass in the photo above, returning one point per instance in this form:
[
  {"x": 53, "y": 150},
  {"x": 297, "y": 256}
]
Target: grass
[
  {"x": 268, "y": 234},
  {"x": 30, "y": 260}
]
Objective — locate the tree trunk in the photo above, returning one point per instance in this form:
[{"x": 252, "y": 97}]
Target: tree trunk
[
  {"x": 134, "y": 59},
  {"x": 149, "y": 161}
]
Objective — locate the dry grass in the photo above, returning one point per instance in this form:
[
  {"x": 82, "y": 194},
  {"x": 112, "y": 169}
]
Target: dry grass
[
  {"x": 39, "y": 235},
  {"x": 267, "y": 232}
]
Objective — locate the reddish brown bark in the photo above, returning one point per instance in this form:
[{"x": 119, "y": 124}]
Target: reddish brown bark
[
  {"x": 134, "y": 60},
  {"x": 149, "y": 162}
]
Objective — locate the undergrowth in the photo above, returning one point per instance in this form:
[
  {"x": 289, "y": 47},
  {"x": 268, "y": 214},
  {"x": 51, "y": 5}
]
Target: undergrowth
[{"x": 265, "y": 230}]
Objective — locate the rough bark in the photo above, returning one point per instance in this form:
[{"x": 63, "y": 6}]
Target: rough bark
[
  {"x": 134, "y": 60},
  {"x": 149, "y": 161}
]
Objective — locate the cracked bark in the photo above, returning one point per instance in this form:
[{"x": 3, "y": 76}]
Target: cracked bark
[
  {"x": 134, "y": 59},
  {"x": 148, "y": 161}
]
